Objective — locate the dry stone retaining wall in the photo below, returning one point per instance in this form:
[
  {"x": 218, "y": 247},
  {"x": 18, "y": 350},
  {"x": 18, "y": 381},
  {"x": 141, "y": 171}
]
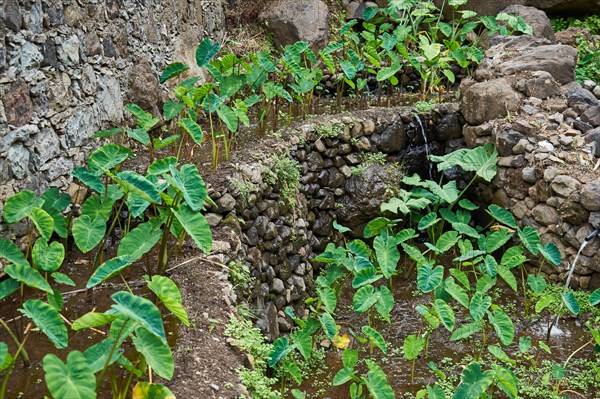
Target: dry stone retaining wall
[
  {"x": 256, "y": 224},
  {"x": 546, "y": 127},
  {"x": 67, "y": 68}
]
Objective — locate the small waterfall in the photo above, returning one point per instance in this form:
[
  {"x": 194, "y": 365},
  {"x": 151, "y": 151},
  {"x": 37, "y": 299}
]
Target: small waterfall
[
  {"x": 427, "y": 148},
  {"x": 585, "y": 242}
]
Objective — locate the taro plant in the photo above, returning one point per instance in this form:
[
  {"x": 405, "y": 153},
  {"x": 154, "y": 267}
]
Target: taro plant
[
  {"x": 461, "y": 268},
  {"x": 374, "y": 381},
  {"x": 173, "y": 198},
  {"x": 139, "y": 211},
  {"x": 405, "y": 32},
  {"x": 131, "y": 318},
  {"x": 37, "y": 269}
]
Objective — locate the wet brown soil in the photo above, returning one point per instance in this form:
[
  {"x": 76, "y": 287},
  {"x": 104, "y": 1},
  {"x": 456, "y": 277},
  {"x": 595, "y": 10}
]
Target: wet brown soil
[
  {"x": 405, "y": 321},
  {"x": 204, "y": 363}
]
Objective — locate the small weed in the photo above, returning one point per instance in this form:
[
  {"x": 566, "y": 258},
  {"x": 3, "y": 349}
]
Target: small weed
[
  {"x": 251, "y": 341},
  {"x": 285, "y": 173},
  {"x": 330, "y": 131},
  {"x": 244, "y": 188},
  {"x": 239, "y": 274},
  {"x": 368, "y": 159},
  {"x": 212, "y": 324},
  {"x": 424, "y": 107}
]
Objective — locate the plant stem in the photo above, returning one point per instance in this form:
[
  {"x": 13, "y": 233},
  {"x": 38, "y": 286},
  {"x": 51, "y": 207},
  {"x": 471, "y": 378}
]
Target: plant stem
[
  {"x": 525, "y": 301},
  {"x": 128, "y": 383},
  {"x": 20, "y": 351},
  {"x": 126, "y": 285},
  {"x": 484, "y": 341},
  {"x": 24, "y": 355},
  {"x": 108, "y": 233},
  {"x": 577, "y": 350},
  {"x": 215, "y": 153},
  {"x": 110, "y": 354}
]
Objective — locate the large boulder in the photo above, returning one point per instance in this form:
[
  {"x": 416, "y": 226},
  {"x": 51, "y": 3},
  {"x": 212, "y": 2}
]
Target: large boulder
[
  {"x": 364, "y": 194},
  {"x": 143, "y": 88},
  {"x": 291, "y": 21},
  {"x": 537, "y": 19},
  {"x": 493, "y": 7},
  {"x": 561, "y": 6},
  {"x": 515, "y": 55},
  {"x": 484, "y": 101},
  {"x": 558, "y": 60}
]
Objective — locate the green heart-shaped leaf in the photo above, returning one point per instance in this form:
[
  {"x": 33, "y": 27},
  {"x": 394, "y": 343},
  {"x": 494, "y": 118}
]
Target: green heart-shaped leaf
[
  {"x": 73, "y": 380},
  {"x": 48, "y": 320},
  {"x": 47, "y": 257},
  {"x": 88, "y": 232}
]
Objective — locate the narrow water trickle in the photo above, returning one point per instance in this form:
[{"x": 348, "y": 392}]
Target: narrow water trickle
[
  {"x": 585, "y": 242},
  {"x": 427, "y": 148}
]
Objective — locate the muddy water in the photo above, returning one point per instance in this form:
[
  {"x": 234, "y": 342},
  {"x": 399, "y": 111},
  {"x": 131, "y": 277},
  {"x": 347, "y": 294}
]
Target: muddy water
[
  {"x": 29, "y": 382},
  {"x": 405, "y": 321}
]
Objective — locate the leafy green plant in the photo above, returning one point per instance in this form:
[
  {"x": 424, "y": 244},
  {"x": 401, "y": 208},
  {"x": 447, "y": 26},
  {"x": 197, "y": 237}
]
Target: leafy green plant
[
  {"x": 587, "y": 67},
  {"x": 285, "y": 174},
  {"x": 461, "y": 269},
  {"x": 165, "y": 202},
  {"x": 374, "y": 381},
  {"x": 175, "y": 201},
  {"x": 131, "y": 317},
  {"x": 250, "y": 340}
]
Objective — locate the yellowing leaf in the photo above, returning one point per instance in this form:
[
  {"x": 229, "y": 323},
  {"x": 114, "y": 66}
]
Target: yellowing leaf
[
  {"x": 145, "y": 390},
  {"x": 341, "y": 341}
]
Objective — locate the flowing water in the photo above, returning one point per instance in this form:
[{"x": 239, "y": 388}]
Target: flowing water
[
  {"x": 585, "y": 242},
  {"x": 427, "y": 147}
]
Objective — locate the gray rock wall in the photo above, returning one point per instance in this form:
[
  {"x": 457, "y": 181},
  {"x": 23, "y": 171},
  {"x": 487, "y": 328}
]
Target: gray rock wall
[
  {"x": 546, "y": 127},
  {"x": 254, "y": 222},
  {"x": 67, "y": 68}
]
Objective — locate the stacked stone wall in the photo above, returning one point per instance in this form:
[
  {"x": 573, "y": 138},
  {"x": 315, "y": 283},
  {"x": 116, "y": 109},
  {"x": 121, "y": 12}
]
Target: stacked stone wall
[
  {"x": 546, "y": 127},
  {"x": 275, "y": 235},
  {"x": 68, "y": 67}
]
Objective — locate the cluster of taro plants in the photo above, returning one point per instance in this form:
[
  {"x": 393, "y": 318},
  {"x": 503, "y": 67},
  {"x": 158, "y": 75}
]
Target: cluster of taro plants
[
  {"x": 143, "y": 213},
  {"x": 410, "y": 32},
  {"x": 235, "y": 85},
  {"x": 461, "y": 270},
  {"x": 406, "y": 32}
]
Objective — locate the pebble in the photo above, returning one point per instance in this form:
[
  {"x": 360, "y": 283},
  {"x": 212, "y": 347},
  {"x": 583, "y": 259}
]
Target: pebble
[
  {"x": 557, "y": 117},
  {"x": 546, "y": 146},
  {"x": 566, "y": 140}
]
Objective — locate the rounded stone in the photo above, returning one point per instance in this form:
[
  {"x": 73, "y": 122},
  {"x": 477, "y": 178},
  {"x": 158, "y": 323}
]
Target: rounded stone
[
  {"x": 277, "y": 286},
  {"x": 590, "y": 196},
  {"x": 529, "y": 175},
  {"x": 564, "y": 185},
  {"x": 545, "y": 214}
]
